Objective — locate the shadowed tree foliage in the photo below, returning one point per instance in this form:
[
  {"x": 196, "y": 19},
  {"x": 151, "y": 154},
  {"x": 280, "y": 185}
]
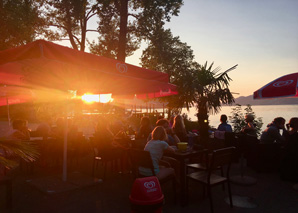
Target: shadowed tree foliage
[
  {"x": 19, "y": 22},
  {"x": 124, "y": 23},
  {"x": 237, "y": 118},
  {"x": 109, "y": 32},
  {"x": 198, "y": 85},
  {"x": 67, "y": 20},
  {"x": 168, "y": 54}
]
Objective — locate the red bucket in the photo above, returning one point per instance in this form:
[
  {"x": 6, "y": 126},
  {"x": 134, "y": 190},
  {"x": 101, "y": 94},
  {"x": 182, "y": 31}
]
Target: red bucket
[{"x": 146, "y": 195}]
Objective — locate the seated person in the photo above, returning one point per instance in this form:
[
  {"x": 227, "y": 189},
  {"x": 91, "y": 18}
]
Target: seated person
[
  {"x": 103, "y": 136},
  {"x": 58, "y": 130},
  {"x": 104, "y": 142},
  {"x": 44, "y": 128},
  {"x": 250, "y": 127},
  {"x": 145, "y": 128},
  {"x": 20, "y": 130},
  {"x": 172, "y": 138},
  {"x": 156, "y": 147},
  {"x": 179, "y": 128},
  {"x": 224, "y": 126},
  {"x": 271, "y": 134},
  {"x": 289, "y": 164}
]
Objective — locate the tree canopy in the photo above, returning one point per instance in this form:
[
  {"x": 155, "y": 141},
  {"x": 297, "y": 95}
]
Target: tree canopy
[
  {"x": 168, "y": 54},
  {"x": 20, "y": 22},
  {"x": 124, "y": 23},
  {"x": 67, "y": 19},
  {"x": 212, "y": 88}
]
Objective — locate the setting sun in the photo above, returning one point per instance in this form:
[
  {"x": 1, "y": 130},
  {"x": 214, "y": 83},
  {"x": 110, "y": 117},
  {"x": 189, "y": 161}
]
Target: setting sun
[
  {"x": 102, "y": 98},
  {"x": 90, "y": 98},
  {"x": 105, "y": 98}
]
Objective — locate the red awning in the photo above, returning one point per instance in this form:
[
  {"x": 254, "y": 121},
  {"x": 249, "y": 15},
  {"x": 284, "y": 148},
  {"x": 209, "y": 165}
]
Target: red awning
[
  {"x": 14, "y": 95},
  {"x": 48, "y": 65},
  {"x": 283, "y": 87}
]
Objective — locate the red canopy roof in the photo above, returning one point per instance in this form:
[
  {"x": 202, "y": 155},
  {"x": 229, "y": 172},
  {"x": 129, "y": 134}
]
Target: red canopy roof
[
  {"x": 283, "y": 87},
  {"x": 45, "y": 64}
]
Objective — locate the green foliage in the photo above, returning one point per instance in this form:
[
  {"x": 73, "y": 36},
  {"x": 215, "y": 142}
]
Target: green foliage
[
  {"x": 123, "y": 24},
  {"x": 15, "y": 148},
  {"x": 189, "y": 124},
  {"x": 212, "y": 88},
  {"x": 67, "y": 19},
  {"x": 20, "y": 22},
  {"x": 168, "y": 54},
  {"x": 237, "y": 118}
]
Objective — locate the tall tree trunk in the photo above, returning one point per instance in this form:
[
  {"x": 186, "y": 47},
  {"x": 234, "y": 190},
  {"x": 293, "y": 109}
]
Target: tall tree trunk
[
  {"x": 84, "y": 31},
  {"x": 123, "y": 30},
  {"x": 70, "y": 35}
]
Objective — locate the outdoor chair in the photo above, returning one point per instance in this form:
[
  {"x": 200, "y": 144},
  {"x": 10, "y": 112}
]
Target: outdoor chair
[
  {"x": 8, "y": 184},
  {"x": 6, "y": 181},
  {"x": 103, "y": 157},
  {"x": 141, "y": 158},
  {"x": 220, "y": 158},
  {"x": 200, "y": 162},
  {"x": 203, "y": 164}
]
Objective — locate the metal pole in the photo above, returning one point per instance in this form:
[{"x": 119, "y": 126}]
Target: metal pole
[
  {"x": 64, "y": 175},
  {"x": 8, "y": 113}
]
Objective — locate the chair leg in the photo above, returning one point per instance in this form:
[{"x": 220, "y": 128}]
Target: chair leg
[
  {"x": 210, "y": 198},
  {"x": 187, "y": 189},
  {"x": 9, "y": 194},
  {"x": 174, "y": 188},
  {"x": 230, "y": 194},
  {"x": 105, "y": 170},
  {"x": 204, "y": 191},
  {"x": 222, "y": 174},
  {"x": 93, "y": 167}
]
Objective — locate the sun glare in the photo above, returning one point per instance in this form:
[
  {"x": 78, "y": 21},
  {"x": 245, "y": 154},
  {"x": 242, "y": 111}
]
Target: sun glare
[
  {"x": 89, "y": 98},
  {"x": 105, "y": 98},
  {"x": 102, "y": 98}
]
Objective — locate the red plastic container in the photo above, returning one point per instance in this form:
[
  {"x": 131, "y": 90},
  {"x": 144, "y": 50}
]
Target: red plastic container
[{"x": 146, "y": 195}]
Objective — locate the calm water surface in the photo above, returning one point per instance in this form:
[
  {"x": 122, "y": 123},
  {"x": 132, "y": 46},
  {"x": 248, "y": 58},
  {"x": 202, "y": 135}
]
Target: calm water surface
[{"x": 267, "y": 112}]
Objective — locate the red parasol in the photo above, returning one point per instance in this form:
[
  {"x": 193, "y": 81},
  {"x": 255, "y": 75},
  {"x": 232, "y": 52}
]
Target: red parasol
[
  {"x": 48, "y": 65},
  {"x": 283, "y": 87},
  {"x": 45, "y": 65}
]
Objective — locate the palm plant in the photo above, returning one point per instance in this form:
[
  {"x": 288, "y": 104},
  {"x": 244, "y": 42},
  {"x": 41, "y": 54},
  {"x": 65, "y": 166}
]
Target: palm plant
[
  {"x": 211, "y": 91},
  {"x": 10, "y": 149}
]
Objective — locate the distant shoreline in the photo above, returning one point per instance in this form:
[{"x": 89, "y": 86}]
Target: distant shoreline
[{"x": 245, "y": 100}]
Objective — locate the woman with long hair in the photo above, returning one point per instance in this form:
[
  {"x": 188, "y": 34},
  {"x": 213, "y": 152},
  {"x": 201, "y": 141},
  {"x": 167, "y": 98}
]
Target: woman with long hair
[
  {"x": 179, "y": 128},
  {"x": 156, "y": 146}
]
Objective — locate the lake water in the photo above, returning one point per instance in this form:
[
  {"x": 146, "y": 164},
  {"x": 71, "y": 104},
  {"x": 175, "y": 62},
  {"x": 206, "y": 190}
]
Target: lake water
[{"x": 267, "y": 112}]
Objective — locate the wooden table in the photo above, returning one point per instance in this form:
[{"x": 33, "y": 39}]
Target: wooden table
[{"x": 182, "y": 157}]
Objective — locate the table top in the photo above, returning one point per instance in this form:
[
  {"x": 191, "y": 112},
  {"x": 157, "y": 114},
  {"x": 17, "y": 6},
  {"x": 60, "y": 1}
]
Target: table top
[{"x": 184, "y": 154}]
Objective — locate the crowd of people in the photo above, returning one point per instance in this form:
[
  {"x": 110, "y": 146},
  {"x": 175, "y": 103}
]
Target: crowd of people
[
  {"x": 277, "y": 132},
  {"x": 156, "y": 139},
  {"x": 111, "y": 136}
]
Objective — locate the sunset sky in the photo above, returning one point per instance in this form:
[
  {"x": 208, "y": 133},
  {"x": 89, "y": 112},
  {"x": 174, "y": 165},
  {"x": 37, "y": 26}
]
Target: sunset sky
[{"x": 261, "y": 36}]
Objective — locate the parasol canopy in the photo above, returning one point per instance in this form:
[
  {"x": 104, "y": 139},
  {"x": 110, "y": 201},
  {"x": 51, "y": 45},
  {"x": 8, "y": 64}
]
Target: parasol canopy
[
  {"x": 50, "y": 69},
  {"x": 47, "y": 65},
  {"x": 283, "y": 87}
]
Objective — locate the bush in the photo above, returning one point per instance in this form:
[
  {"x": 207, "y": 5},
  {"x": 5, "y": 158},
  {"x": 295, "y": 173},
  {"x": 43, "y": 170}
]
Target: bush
[{"x": 237, "y": 119}]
